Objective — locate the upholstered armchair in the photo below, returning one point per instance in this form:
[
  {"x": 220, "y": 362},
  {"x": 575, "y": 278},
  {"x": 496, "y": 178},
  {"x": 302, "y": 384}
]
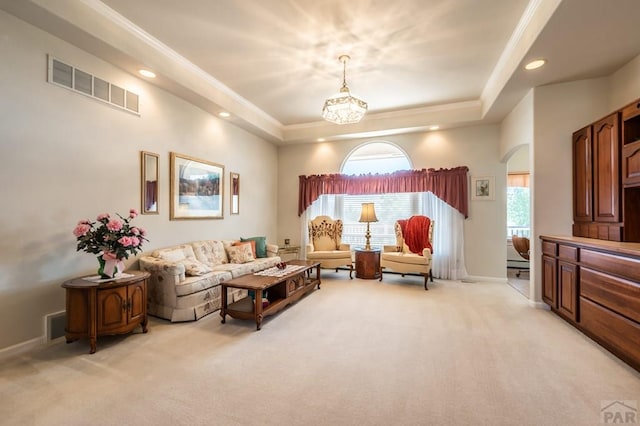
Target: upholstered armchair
[
  {"x": 325, "y": 245},
  {"x": 413, "y": 250}
]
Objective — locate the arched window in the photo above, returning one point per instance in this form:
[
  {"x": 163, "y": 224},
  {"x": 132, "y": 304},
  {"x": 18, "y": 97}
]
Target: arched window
[{"x": 375, "y": 157}]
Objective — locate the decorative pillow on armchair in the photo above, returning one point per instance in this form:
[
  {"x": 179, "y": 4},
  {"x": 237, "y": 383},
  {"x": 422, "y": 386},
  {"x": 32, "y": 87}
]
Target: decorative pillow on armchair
[{"x": 240, "y": 254}]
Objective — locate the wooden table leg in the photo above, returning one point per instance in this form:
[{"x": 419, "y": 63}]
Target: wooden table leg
[
  {"x": 257, "y": 308},
  {"x": 223, "y": 303},
  {"x": 318, "y": 275}
]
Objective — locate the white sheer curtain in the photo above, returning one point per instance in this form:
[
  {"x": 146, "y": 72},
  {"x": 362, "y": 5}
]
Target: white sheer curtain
[
  {"x": 448, "y": 231},
  {"x": 448, "y": 237}
]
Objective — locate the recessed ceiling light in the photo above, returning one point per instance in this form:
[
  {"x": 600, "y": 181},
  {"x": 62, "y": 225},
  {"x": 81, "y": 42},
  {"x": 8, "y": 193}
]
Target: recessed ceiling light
[
  {"x": 321, "y": 139},
  {"x": 434, "y": 127},
  {"x": 224, "y": 114},
  {"x": 147, "y": 73},
  {"x": 535, "y": 64}
]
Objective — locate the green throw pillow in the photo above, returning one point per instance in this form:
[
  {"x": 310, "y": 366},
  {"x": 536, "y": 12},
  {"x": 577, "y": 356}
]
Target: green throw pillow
[{"x": 261, "y": 245}]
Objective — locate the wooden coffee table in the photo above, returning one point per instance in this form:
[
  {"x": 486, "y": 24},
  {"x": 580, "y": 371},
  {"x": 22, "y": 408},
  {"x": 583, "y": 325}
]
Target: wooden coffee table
[{"x": 281, "y": 291}]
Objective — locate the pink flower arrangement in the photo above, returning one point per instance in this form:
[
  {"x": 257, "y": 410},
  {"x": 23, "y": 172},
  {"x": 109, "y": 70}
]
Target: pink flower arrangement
[{"x": 112, "y": 238}]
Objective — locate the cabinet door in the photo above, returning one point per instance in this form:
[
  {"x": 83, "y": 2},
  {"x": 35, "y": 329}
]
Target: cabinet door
[
  {"x": 582, "y": 176},
  {"x": 549, "y": 280},
  {"x": 631, "y": 164},
  {"x": 606, "y": 170},
  {"x": 137, "y": 306},
  {"x": 567, "y": 290},
  {"x": 112, "y": 308}
]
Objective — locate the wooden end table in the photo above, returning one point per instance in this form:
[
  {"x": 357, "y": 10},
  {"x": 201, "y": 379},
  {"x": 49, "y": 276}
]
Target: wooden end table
[
  {"x": 282, "y": 291},
  {"x": 368, "y": 264},
  {"x": 103, "y": 308}
]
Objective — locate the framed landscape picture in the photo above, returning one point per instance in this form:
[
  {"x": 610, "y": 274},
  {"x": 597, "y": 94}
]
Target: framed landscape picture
[
  {"x": 483, "y": 188},
  {"x": 197, "y": 188}
]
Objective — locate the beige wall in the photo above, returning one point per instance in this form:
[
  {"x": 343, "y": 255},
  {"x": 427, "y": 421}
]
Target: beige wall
[
  {"x": 66, "y": 157},
  {"x": 475, "y": 147},
  {"x": 516, "y": 129},
  {"x": 625, "y": 85},
  {"x": 559, "y": 110}
]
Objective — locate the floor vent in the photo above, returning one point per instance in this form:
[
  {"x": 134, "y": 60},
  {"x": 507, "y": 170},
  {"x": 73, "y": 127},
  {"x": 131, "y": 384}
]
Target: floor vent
[
  {"x": 54, "y": 325},
  {"x": 82, "y": 82}
]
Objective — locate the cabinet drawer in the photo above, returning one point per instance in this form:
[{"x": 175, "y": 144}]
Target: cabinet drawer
[
  {"x": 615, "y": 332},
  {"x": 549, "y": 248},
  {"x": 619, "y": 295},
  {"x": 567, "y": 253},
  {"x": 622, "y": 266}
]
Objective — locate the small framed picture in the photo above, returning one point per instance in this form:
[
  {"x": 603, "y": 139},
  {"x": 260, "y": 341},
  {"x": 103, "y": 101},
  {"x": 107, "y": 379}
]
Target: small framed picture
[{"x": 483, "y": 188}]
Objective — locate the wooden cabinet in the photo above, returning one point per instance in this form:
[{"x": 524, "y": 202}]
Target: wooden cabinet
[
  {"x": 598, "y": 198},
  {"x": 560, "y": 278},
  {"x": 112, "y": 307},
  {"x": 631, "y": 145},
  {"x": 368, "y": 264},
  {"x": 597, "y": 289},
  {"x": 582, "y": 176},
  {"x": 549, "y": 281},
  {"x": 606, "y": 170},
  {"x": 567, "y": 290}
]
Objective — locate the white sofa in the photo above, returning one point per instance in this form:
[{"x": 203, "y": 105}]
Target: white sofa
[{"x": 185, "y": 279}]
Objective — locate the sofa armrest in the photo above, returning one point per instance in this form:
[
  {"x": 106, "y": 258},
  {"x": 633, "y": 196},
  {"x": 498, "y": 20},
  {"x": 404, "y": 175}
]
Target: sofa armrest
[
  {"x": 162, "y": 270},
  {"x": 390, "y": 249},
  {"x": 426, "y": 253},
  {"x": 310, "y": 248},
  {"x": 272, "y": 250},
  {"x": 345, "y": 247}
]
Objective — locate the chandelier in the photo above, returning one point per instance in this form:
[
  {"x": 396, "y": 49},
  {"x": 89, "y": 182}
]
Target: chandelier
[{"x": 343, "y": 108}]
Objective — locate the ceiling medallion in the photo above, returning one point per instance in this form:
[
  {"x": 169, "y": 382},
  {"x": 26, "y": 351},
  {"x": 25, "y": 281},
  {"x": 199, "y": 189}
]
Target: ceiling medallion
[{"x": 343, "y": 108}]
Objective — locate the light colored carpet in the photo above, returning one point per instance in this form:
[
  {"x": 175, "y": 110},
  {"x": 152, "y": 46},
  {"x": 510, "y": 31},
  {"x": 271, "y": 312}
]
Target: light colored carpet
[
  {"x": 354, "y": 352},
  {"x": 521, "y": 284}
]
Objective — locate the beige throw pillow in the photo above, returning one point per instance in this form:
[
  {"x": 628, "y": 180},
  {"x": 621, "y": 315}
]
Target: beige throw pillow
[{"x": 240, "y": 254}]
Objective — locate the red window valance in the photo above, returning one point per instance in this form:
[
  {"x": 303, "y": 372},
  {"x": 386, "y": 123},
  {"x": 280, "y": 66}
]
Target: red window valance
[{"x": 450, "y": 185}]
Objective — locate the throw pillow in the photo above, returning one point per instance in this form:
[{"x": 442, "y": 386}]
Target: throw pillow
[
  {"x": 251, "y": 243},
  {"x": 176, "y": 254},
  {"x": 195, "y": 268},
  {"x": 240, "y": 254},
  {"x": 261, "y": 245}
]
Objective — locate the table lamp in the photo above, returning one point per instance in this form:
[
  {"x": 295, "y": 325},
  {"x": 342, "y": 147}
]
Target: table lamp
[{"x": 368, "y": 214}]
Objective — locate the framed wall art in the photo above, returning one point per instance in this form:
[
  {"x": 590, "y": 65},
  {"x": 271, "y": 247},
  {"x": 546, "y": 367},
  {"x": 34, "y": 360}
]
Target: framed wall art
[
  {"x": 149, "y": 182},
  {"x": 483, "y": 188},
  {"x": 196, "y": 187},
  {"x": 234, "y": 185}
]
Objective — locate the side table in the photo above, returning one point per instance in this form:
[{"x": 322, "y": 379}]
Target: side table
[
  {"x": 102, "y": 308},
  {"x": 368, "y": 264},
  {"x": 293, "y": 251}
]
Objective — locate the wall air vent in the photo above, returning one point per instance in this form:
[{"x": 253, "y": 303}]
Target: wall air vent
[
  {"x": 54, "y": 325},
  {"x": 79, "y": 81}
]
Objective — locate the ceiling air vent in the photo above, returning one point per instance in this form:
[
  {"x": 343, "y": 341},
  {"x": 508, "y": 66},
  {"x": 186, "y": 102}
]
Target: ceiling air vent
[{"x": 82, "y": 82}]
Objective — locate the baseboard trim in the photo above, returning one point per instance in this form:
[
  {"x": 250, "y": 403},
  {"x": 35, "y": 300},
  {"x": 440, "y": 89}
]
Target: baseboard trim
[
  {"x": 539, "y": 305},
  {"x": 21, "y": 348},
  {"x": 475, "y": 278}
]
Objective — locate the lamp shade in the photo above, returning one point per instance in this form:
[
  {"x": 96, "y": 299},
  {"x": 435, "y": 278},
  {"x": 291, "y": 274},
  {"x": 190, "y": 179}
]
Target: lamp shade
[{"x": 368, "y": 213}]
